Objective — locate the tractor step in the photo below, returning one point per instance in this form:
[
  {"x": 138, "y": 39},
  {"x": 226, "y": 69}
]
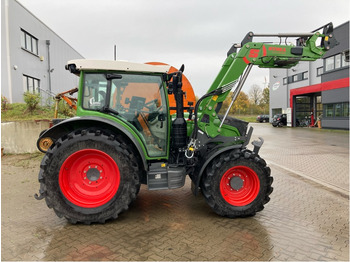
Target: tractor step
[{"x": 161, "y": 176}]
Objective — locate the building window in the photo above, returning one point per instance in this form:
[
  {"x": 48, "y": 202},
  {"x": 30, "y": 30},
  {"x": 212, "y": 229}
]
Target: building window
[
  {"x": 305, "y": 75},
  {"x": 319, "y": 106},
  {"x": 329, "y": 63},
  {"x": 296, "y": 78},
  {"x": 346, "y": 109},
  {"x": 335, "y": 62},
  {"x": 345, "y": 58},
  {"x": 31, "y": 84},
  {"x": 328, "y": 108},
  {"x": 320, "y": 71},
  {"x": 29, "y": 42},
  {"x": 336, "y": 110}
]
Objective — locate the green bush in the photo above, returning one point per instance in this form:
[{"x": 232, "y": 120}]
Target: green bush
[
  {"x": 32, "y": 101},
  {"x": 4, "y": 103},
  {"x": 65, "y": 109}
]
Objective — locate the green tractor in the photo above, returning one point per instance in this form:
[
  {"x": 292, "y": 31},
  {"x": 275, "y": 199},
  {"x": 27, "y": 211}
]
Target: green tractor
[{"x": 124, "y": 135}]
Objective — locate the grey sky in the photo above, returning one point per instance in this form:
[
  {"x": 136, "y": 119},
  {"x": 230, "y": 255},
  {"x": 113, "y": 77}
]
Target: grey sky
[{"x": 197, "y": 33}]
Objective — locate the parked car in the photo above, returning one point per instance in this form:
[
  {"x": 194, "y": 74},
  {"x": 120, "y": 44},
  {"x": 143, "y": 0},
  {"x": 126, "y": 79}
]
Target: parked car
[
  {"x": 279, "y": 120},
  {"x": 263, "y": 118}
]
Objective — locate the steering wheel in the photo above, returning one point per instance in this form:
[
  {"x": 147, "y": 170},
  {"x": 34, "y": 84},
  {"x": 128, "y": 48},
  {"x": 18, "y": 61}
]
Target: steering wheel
[{"x": 151, "y": 103}]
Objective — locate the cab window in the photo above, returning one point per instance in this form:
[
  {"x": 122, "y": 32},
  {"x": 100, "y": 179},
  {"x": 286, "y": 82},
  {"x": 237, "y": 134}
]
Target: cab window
[{"x": 138, "y": 99}]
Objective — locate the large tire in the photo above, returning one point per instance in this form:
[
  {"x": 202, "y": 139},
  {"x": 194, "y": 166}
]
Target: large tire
[
  {"x": 237, "y": 184},
  {"x": 89, "y": 176}
]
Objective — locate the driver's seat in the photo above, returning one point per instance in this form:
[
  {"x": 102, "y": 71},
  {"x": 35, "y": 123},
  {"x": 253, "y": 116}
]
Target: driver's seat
[{"x": 136, "y": 105}]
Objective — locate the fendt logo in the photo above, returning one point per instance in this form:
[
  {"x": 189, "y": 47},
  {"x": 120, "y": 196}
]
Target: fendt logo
[
  {"x": 254, "y": 53},
  {"x": 277, "y": 49}
]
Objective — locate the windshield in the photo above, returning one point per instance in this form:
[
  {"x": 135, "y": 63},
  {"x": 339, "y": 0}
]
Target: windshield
[{"x": 138, "y": 99}]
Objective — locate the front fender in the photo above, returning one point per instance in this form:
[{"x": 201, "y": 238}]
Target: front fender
[
  {"x": 71, "y": 124},
  {"x": 196, "y": 180},
  {"x": 207, "y": 161}
]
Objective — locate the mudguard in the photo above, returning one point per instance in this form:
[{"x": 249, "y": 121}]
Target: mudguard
[
  {"x": 66, "y": 126},
  {"x": 215, "y": 153},
  {"x": 195, "y": 185}
]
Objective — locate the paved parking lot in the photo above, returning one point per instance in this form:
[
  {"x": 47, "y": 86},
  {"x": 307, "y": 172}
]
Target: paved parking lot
[{"x": 306, "y": 219}]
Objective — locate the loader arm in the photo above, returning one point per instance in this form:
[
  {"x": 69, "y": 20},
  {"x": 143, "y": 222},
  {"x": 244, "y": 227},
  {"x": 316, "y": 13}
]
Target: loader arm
[{"x": 241, "y": 57}]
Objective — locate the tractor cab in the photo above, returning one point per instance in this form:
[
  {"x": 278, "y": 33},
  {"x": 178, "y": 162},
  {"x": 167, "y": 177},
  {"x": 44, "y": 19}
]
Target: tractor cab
[
  {"x": 132, "y": 93},
  {"x": 138, "y": 99}
]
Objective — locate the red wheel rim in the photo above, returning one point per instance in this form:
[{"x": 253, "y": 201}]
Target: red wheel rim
[
  {"x": 239, "y": 186},
  {"x": 89, "y": 178}
]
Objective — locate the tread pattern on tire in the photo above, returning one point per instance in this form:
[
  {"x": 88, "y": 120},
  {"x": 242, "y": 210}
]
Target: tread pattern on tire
[
  {"x": 128, "y": 164},
  {"x": 211, "y": 178}
]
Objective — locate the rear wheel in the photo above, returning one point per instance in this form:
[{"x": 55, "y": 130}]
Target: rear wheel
[
  {"x": 89, "y": 176},
  {"x": 237, "y": 184}
]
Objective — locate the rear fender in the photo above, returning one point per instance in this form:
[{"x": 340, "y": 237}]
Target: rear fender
[{"x": 71, "y": 124}]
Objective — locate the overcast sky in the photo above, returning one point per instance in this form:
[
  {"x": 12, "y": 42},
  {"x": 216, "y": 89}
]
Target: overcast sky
[{"x": 197, "y": 33}]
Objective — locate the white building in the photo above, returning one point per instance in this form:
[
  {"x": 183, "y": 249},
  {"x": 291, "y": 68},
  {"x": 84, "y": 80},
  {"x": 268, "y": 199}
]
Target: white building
[{"x": 32, "y": 55}]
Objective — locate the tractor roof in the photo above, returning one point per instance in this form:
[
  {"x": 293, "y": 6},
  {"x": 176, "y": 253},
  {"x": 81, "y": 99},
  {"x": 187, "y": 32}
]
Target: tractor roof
[{"x": 85, "y": 64}]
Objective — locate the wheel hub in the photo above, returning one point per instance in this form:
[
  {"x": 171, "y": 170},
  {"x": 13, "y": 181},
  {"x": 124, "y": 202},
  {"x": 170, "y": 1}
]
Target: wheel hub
[
  {"x": 236, "y": 183},
  {"x": 93, "y": 174}
]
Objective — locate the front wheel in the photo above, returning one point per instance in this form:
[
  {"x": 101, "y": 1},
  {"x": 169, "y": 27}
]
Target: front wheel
[
  {"x": 89, "y": 176},
  {"x": 237, "y": 184}
]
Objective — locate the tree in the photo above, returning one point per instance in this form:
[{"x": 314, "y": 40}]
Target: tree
[
  {"x": 265, "y": 99},
  {"x": 255, "y": 94},
  {"x": 240, "y": 106}
]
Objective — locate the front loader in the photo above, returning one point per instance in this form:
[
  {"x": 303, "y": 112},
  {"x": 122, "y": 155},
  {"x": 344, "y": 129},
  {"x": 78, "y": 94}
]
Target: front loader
[{"x": 125, "y": 134}]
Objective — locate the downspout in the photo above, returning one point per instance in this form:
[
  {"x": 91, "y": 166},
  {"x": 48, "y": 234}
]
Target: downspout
[
  {"x": 48, "y": 65},
  {"x": 290, "y": 101},
  {"x": 8, "y": 60}
]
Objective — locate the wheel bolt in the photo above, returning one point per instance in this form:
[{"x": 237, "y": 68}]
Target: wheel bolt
[
  {"x": 84, "y": 177},
  {"x": 100, "y": 177},
  {"x": 89, "y": 182}
]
